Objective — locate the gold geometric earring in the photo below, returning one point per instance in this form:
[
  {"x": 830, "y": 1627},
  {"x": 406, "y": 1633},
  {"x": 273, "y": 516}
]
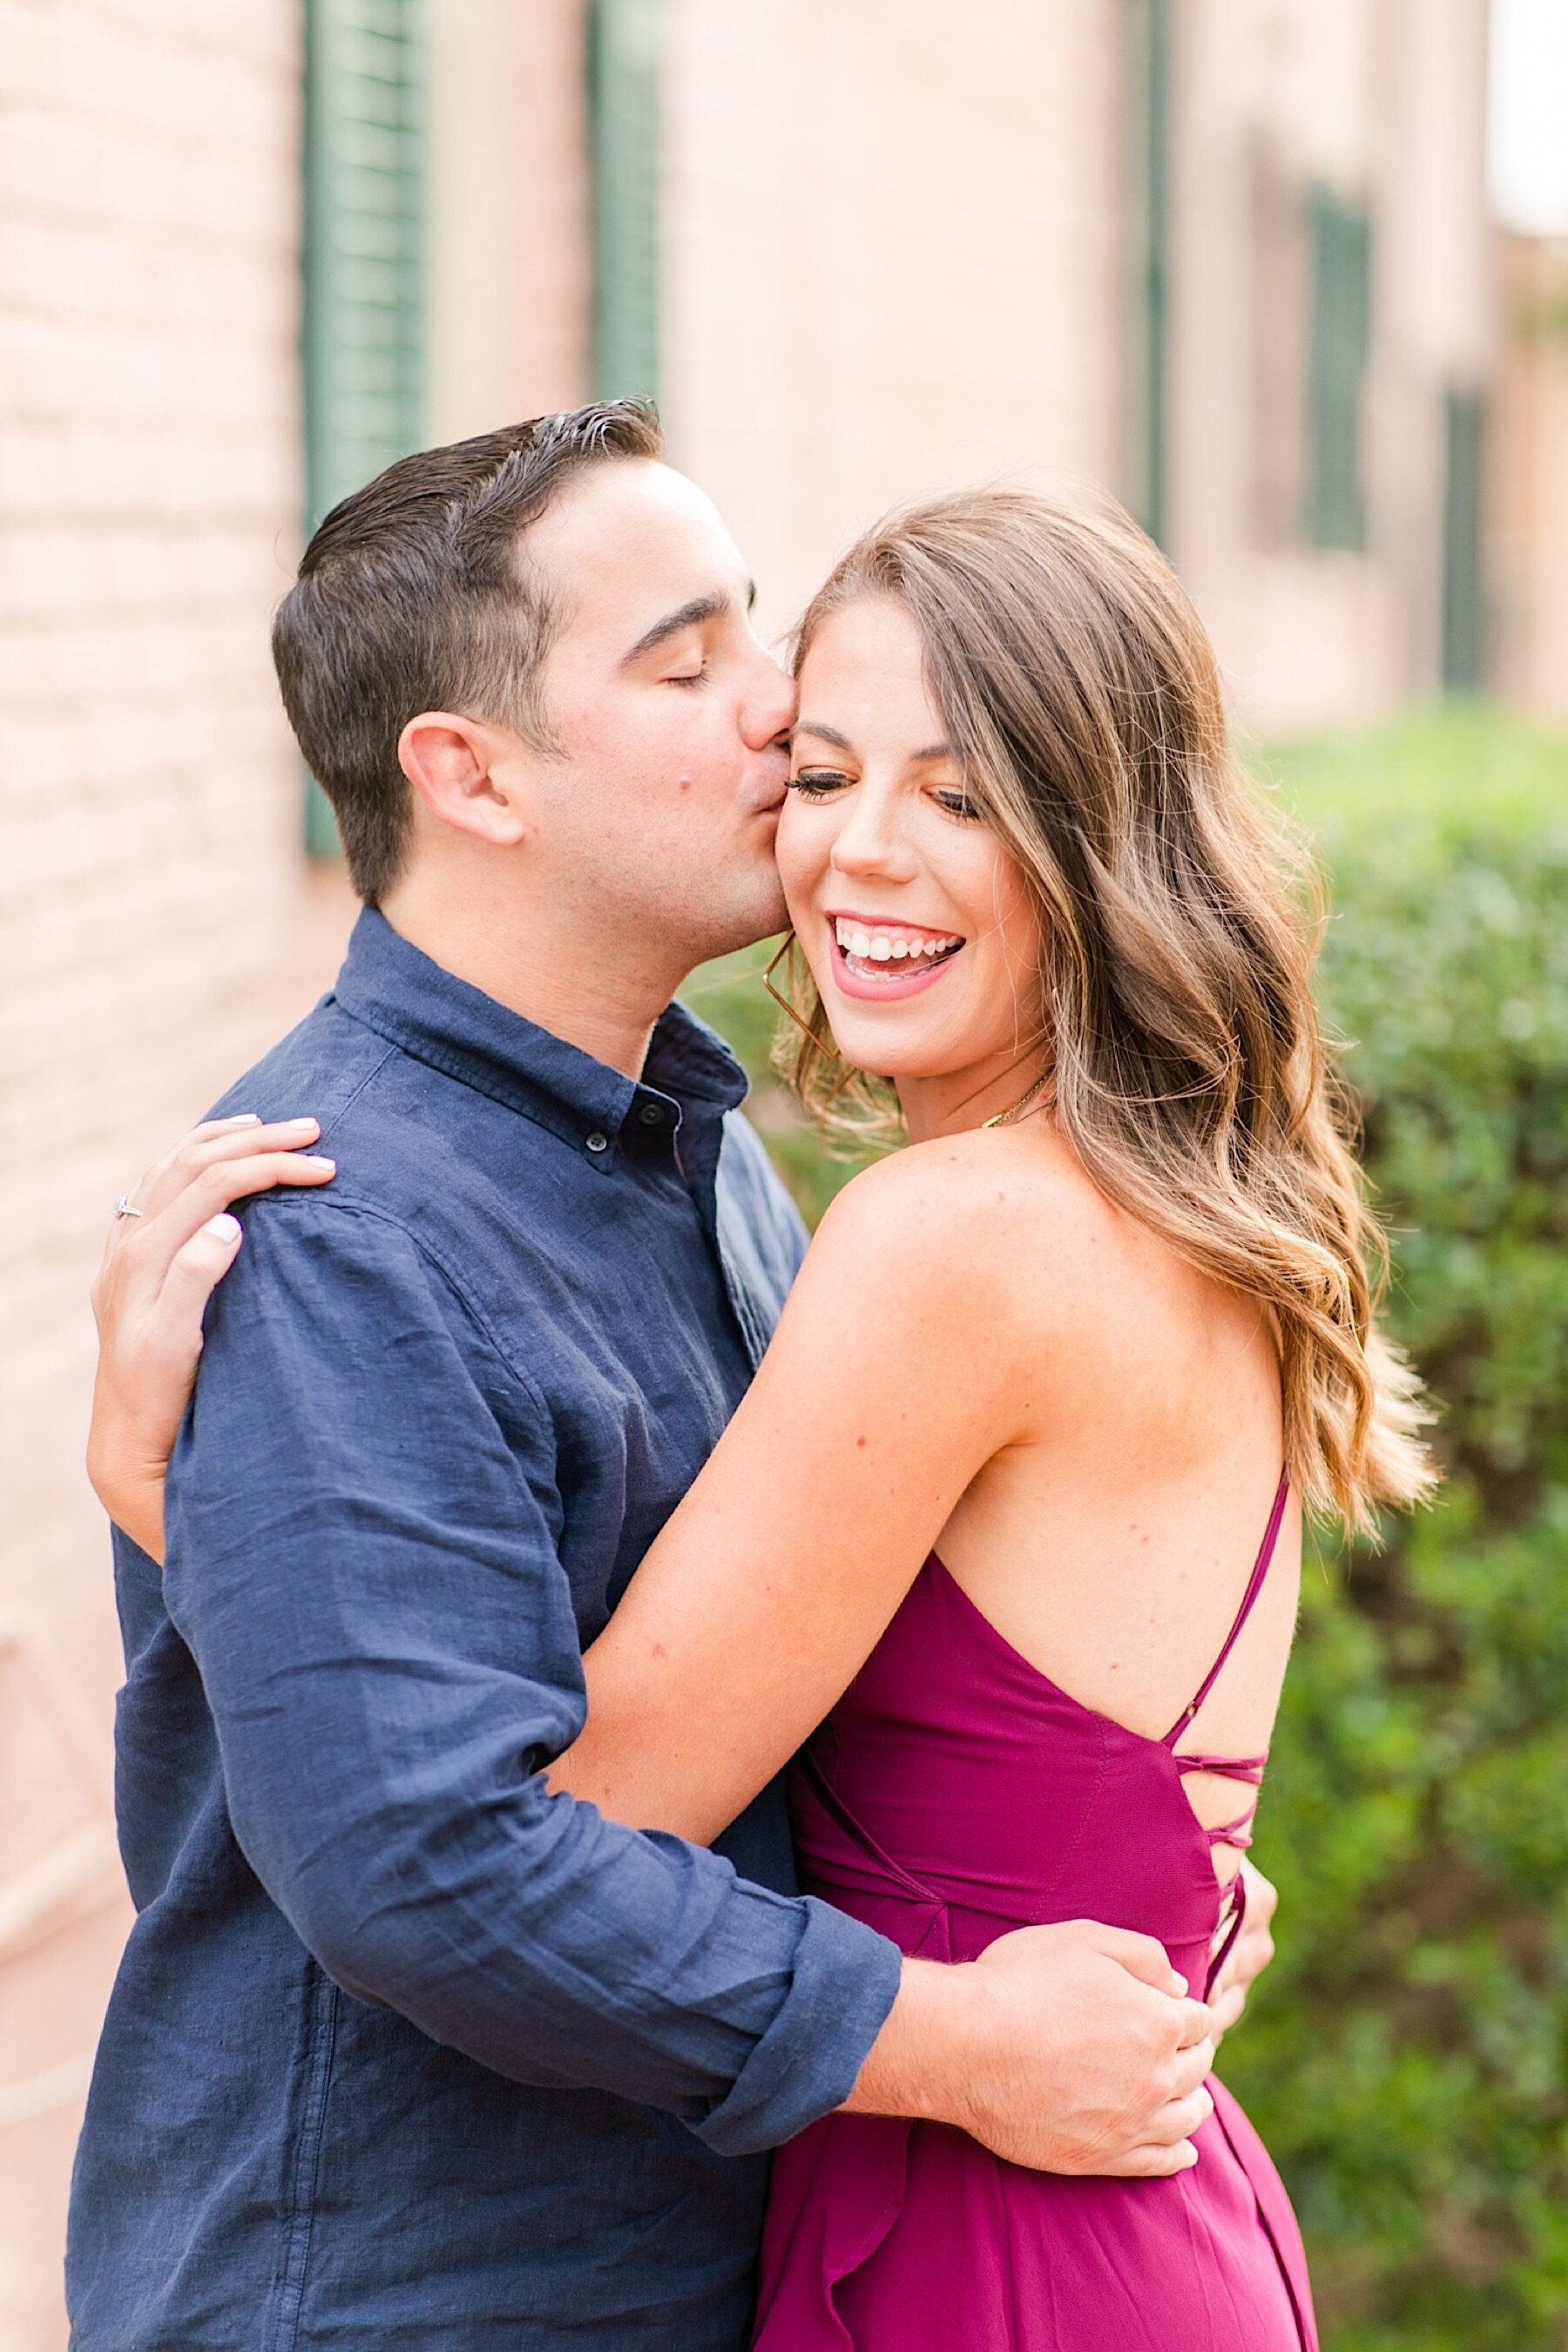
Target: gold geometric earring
[{"x": 822, "y": 1045}]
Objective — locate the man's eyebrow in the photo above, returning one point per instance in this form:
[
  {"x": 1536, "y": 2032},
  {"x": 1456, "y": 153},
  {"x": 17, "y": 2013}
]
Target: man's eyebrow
[{"x": 689, "y": 615}]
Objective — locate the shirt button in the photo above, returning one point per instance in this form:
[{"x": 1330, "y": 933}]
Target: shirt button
[
  {"x": 652, "y": 1113},
  {"x": 597, "y": 1143}
]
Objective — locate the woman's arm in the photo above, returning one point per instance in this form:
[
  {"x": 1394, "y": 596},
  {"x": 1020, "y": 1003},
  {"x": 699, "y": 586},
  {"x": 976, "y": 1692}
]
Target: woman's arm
[
  {"x": 896, "y": 1372},
  {"x": 160, "y": 1264}
]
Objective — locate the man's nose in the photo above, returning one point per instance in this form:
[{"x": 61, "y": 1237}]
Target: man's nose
[{"x": 770, "y": 707}]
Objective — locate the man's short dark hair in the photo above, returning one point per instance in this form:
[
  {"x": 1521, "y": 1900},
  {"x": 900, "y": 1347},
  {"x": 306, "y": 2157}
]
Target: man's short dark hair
[{"x": 413, "y": 595}]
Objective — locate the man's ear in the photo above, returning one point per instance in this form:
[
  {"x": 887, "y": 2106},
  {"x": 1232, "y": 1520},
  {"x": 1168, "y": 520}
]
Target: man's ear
[{"x": 469, "y": 775}]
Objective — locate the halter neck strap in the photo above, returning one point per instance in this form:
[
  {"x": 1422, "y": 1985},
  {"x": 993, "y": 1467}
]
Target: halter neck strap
[{"x": 1248, "y": 1600}]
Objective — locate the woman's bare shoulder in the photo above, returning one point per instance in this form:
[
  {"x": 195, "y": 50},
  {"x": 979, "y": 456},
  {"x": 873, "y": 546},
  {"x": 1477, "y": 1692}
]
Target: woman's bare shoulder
[
  {"x": 999, "y": 1183},
  {"x": 1005, "y": 1227}
]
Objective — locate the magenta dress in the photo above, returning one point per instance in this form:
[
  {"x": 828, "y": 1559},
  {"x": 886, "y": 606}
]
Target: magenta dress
[{"x": 955, "y": 1793}]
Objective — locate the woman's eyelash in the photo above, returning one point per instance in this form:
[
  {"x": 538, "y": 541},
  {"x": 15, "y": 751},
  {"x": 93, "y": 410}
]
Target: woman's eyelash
[
  {"x": 816, "y": 783},
  {"x": 688, "y": 677}
]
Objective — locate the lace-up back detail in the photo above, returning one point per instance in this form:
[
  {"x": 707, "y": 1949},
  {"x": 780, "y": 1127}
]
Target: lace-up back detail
[
  {"x": 1237, "y": 1833},
  {"x": 1071, "y": 1800}
]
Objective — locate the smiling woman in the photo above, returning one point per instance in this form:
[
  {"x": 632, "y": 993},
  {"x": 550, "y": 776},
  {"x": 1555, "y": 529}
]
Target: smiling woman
[
  {"x": 897, "y": 891},
  {"x": 1123, "y": 925}
]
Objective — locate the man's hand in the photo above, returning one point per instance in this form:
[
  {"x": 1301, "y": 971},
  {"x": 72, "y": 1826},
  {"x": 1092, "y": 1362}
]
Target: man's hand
[
  {"x": 1067, "y": 2049},
  {"x": 1251, "y": 1952}
]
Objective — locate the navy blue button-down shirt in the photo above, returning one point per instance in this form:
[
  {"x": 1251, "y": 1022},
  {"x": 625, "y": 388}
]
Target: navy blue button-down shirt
[{"x": 405, "y": 2051}]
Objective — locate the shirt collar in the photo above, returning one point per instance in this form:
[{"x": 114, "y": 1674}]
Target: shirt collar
[{"x": 398, "y": 990}]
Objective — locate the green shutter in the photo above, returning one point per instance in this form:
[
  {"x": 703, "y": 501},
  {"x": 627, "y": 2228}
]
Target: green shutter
[
  {"x": 624, "y": 110},
  {"x": 363, "y": 260},
  {"x": 1339, "y": 337},
  {"x": 1464, "y": 619},
  {"x": 1147, "y": 47}
]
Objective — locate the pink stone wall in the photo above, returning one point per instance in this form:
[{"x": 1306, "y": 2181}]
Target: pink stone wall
[
  {"x": 1382, "y": 102},
  {"x": 149, "y": 886},
  {"x": 509, "y": 212},
  {"x": 1529, "y": 480},
  {"x": 891, "y": 260},
  {"x": 896, "y": 260}
]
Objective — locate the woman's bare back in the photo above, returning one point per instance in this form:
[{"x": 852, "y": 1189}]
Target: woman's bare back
[{"x": 1110, "y": 1544}]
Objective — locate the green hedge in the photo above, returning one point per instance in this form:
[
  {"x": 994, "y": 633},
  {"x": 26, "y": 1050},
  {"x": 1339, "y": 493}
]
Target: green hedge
[
  {"x": 1406, "y": 2058},
  {"x": 1407, "y": 2062}
]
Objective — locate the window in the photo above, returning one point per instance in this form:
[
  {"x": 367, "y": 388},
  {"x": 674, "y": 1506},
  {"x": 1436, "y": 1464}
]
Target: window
[
  {"x": 622, "y": 112},
  {"x": 1147, "y": 48},
  {"x": 363, "y": 260},
  {"x": 1464, "y": 617},
  {"x": 1279, "y": 307},
  {"x": 1339, "y": 335}
]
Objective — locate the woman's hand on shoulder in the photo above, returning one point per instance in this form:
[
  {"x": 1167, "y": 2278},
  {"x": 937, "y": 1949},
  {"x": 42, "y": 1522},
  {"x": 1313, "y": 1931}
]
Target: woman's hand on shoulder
[{"x": 169, "y": 1246}]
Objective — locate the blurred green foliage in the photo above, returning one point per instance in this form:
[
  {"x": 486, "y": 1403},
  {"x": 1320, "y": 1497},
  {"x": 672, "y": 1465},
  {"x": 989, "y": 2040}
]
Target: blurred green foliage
[{"x": 1406, "y": 2058}]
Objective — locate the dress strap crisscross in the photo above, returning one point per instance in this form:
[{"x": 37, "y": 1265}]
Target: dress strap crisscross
[
  {"x": 1237, "y": 1833},
  {"x": 1234, "y": 1768},
  {"x": 1248, "y": 1601}
]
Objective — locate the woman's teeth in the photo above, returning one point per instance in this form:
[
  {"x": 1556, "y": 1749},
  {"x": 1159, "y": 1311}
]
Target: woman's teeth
[{"x": 886, "y": 944}]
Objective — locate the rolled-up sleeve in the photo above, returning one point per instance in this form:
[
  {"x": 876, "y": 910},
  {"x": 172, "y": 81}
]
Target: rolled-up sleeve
[{"x": 364, "y": 1539}]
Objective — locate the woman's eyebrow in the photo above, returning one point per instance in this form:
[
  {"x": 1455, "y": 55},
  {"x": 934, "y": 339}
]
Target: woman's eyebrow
[{"x": 825, "y": 734}]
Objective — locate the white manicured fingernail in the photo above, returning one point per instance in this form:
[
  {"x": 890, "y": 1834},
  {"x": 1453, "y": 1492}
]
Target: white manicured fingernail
[
  {"x": 244, "y": 1118},
  {"x": 1181, "y": 1984},
  {"x": 314, "y": 1160},
  {"x": 312, "y": 1123},
  {"x": 223, "y": 1228}
]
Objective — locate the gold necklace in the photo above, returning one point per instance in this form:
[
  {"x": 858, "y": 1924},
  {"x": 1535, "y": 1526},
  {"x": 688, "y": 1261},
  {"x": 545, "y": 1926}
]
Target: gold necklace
[{"x": 1006, "y": 1118}]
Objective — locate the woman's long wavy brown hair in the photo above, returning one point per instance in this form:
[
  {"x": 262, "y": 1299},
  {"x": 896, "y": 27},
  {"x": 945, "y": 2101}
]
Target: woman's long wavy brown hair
[{"x": 1179, "y": 926}]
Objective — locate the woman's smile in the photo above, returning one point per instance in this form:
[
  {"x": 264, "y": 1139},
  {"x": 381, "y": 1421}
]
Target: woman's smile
[{"x": 871, "y": 956}]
